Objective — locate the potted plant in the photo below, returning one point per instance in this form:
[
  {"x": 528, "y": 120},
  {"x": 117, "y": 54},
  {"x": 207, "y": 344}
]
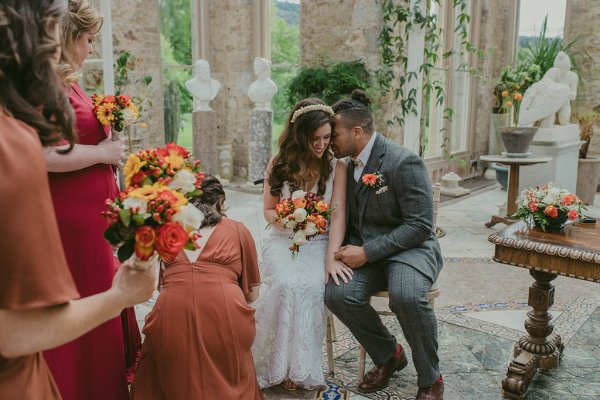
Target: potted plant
[{"x": 588, "y": 173}]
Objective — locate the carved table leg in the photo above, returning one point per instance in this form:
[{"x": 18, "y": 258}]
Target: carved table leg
[{"x": 541, "y": 348}]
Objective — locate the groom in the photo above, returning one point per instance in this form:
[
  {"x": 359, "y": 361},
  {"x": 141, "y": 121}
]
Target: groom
[{"x": 390, "y": 243}]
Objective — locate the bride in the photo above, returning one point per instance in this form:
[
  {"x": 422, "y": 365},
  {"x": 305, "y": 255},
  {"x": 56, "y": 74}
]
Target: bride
[{"x": 290, "y": 314}]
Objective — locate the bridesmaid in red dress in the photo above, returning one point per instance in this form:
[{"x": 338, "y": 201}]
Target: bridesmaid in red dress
[
  {"x": 93, "y": 366},
  {"x": 199, "y": 334}
]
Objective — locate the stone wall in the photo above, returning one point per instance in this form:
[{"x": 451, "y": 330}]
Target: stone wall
[
  {"x": 136, "y": 29},
  {"x": 231, "y": 59},
  {"x": 493, "y": 41},
  {"x": 581, "y": 21}
]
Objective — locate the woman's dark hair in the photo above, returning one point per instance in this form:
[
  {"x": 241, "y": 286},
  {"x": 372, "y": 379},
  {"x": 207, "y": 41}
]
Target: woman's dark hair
[
  {"x": 296, "y": 162},
  {"x": 211, "y": 202},
  {"x": 30, "y": 88},
  {"x": 355, "y": 111}
]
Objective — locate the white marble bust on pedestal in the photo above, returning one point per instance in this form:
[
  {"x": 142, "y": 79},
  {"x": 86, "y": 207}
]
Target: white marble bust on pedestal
[
  {"x": 551, "y": 96},
  {"x": 263, "y": 89},
  {"x": 202, "y": 86}
]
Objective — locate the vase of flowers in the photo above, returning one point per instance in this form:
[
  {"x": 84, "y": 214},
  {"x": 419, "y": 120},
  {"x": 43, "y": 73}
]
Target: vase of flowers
[{"x": 548, "y": 207}]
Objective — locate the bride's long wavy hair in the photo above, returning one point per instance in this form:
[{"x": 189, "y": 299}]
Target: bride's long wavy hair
[
  {"x": 296, "y": 163},
  {"x": 30, "y": 88}
]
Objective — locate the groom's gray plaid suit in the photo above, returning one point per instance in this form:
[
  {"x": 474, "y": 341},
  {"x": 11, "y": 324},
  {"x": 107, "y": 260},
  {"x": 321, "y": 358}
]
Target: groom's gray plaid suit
[{"x": 394, "y": 224}]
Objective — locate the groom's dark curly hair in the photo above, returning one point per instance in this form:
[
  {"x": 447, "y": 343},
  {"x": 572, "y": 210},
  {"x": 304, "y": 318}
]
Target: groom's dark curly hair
[{"x": 296, "y": 163}]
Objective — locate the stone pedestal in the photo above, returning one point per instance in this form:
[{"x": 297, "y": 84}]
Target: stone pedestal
[
  {"x": 259, "y": 148},
  {"x": 225, "y": 169},
  {"x": 562, "y": 144},
  {"x": 205, "y": 133},
  {"x": 450, "y": 186}
]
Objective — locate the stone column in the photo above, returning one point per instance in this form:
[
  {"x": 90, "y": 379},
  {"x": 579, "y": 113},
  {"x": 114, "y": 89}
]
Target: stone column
[
  {"x": 259, "y": 148},
  {"x": 205, "y": 133}
]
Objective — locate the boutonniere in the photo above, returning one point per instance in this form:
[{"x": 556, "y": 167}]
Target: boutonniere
[{"x": 373, "y": 180}]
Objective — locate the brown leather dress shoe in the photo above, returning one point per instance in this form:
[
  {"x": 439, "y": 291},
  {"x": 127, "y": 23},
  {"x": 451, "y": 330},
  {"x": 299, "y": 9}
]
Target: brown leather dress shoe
[
  {"x": 435, "y": 392},
  {"x": 378, "y": 377}
]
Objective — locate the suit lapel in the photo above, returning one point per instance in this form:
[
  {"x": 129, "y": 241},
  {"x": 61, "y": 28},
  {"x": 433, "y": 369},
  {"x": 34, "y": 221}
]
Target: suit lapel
[{"x": 373, "y": 166}]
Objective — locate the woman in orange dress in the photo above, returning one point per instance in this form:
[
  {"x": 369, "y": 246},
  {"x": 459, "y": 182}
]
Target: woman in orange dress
[
  {"x": 39, "y": 308},
  {"x": 199, "y": 335}
]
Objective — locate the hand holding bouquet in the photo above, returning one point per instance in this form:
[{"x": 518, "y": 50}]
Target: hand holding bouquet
[
  {"x": 548, "y": 206},
  {"x": 306, "y": 214},
  {"x": 116, "y": 111}
]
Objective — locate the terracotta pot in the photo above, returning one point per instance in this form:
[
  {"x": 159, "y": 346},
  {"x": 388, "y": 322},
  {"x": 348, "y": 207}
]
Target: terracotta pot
[{"x": 517, "y": 140}]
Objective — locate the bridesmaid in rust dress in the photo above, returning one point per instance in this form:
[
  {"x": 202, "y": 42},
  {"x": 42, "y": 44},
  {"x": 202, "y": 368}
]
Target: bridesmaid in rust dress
[
  {"x": 199, "y": 335},
  {"x": 93, "y": 366},
  {"x": 39, "y": 308}
]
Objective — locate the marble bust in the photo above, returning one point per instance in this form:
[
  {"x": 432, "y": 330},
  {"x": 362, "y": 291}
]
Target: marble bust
[
  {"x": 262, "y": 90},
  {"x": 202, "y": 86},
  {"x": 551, "y": 97}
]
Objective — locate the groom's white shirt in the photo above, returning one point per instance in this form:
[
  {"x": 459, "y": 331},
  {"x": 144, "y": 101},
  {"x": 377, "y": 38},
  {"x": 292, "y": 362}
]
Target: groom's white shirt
[{"x": 364, "y": 157}]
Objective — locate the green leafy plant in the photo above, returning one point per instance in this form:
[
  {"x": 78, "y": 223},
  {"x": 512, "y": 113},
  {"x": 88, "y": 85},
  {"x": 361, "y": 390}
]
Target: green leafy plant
[{"x": 330, "y": 82}]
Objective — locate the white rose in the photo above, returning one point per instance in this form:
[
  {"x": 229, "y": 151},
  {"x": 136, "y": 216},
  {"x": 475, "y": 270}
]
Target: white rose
[
  {"x": 298, "y": 194},
  {"x": 553, "y": 196},
  {"x": 289, "y": 223},
  {"x": 128, "y": 116},
  {"x": 189, "y": 216},
  {"x": 299, "y": 238},
  {"x": 299, "y": 215},
  {"x": 184, "y": 180},
  {"x": 134, "y": 203},
  {"x": 311, "y": 229}
]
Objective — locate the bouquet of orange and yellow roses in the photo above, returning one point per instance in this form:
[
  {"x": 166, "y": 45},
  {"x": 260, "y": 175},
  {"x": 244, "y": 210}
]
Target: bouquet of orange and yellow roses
[
  {"x": 306, "y": 214},
  {"x": 153, "y": 213}
]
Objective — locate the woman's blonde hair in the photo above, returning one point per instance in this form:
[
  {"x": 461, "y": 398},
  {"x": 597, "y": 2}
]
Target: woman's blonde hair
[{"x": 80, "y": 18}]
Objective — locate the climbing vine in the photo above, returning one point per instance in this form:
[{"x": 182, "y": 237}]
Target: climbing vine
[{"x": 393, "y": 77}]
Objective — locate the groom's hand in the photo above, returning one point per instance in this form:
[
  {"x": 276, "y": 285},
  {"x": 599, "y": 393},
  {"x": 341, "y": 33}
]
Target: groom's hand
[{"x": 352, "y": 256}]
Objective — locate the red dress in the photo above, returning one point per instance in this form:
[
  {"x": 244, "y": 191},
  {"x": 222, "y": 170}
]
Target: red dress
[{"x": 93, "y": 366}]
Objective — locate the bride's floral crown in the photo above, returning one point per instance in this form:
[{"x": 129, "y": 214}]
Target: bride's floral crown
[{"x": 314, "y": 107}]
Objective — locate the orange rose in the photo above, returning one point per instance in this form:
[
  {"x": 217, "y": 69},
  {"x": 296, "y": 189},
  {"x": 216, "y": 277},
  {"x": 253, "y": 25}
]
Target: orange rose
[
  {"x": 320, "y": 221},
  {"x": 573, "y": 215},
  {"x": 176, "y": 150},
  {"x": 505, "y": 93},
  {"x": 569, "y": 199},
  {"x": 533, "y": 206},
  {"x": 508, "y": 103},
  {"x": 321, "y": 206},
  {"x": 551, "y": 211},
  {"x": 518, "y": 96},
  {"x": 299, "y": 202},
  {"x": 145, "y": 236},
  {"x": 171, "y": 240}
]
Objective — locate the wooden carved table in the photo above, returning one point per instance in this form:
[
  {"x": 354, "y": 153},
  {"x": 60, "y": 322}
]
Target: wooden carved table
[
  {"x": 574, "y": 253},
  {"x": 513, "y": 182}
]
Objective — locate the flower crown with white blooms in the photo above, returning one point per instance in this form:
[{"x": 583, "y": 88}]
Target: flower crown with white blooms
[{"x": 314, "y": 107}]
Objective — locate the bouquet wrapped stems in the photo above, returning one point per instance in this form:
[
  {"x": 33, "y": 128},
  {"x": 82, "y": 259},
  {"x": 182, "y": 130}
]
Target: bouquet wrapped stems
[{"x": 139, "y": 264}]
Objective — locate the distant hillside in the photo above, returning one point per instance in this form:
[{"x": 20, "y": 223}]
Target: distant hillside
[{"x": 289, "y": 12}]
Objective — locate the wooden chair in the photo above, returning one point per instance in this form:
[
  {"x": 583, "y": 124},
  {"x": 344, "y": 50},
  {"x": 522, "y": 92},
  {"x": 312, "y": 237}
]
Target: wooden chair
[{"x": 434, "y": 292}]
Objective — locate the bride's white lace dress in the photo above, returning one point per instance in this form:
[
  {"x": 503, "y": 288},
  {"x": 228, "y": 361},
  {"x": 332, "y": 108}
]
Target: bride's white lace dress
[{"x": 290, "y": 311}]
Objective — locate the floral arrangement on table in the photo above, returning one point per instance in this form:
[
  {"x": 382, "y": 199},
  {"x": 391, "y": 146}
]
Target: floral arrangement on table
[
  {"x": 306, "y": 214},
  {"x": 549, "y": 206},
  {"x": 115, "y": 111},
  {"x": 153, "y": 213}
]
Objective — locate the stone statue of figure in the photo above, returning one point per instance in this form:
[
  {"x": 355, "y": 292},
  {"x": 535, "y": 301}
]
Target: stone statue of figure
[
  {"x": 551, "y": 96},
  {"x": 263, "y": 89},
  {"x": 202, "y": 86}
]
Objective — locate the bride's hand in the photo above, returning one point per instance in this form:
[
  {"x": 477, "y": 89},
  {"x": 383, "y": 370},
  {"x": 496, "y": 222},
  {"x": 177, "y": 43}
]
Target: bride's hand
[{"x": 338, "y": 270}]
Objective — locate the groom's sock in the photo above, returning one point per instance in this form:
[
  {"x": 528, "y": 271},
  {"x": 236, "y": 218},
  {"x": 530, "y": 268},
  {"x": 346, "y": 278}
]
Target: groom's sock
[{"x": 399, "y": 350}]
